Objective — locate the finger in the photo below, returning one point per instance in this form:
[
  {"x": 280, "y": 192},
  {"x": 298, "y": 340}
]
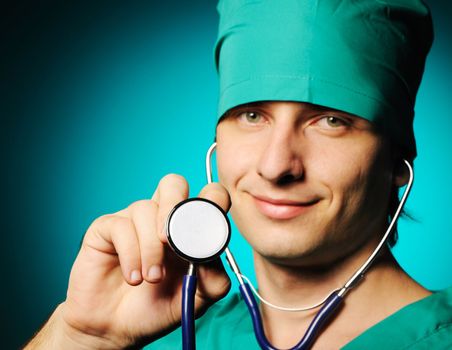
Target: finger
[
  {"x": 167, "y": 178},
  {"x": 118, "y": 236},
  {"x": 144, "y": 216},
  {"x": 214, "y": 283},
  {"x": 217, "y": 194},
  {"x": 171, "y": 190}
]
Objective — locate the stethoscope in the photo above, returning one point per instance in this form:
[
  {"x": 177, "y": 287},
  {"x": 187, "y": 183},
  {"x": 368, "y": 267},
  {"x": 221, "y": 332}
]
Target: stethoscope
[{"x": 198, "y": 230}]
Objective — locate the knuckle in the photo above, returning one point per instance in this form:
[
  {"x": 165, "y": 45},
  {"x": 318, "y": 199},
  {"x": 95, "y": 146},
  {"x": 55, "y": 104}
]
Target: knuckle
[
  {"x": 222, "y": 289},
  {"x": 112, "y": 222},
  {"x": 101, "y": 227},
  {"x": 152, "y": 204},
  {"x": 101, "y": 221},
  {"x": 214, "y": 292},
  {"x": 121, "y": 224},
  {"x": 143, "y": 206}
]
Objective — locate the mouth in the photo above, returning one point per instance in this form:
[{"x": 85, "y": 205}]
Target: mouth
[{"x": 282, "y": 209}]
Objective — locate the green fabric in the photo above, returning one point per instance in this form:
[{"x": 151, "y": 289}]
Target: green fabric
[
  {"x": 426, "y": 324},
  {"x": 363, "y": 57}
]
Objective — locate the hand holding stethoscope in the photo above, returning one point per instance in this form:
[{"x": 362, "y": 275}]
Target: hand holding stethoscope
[{"x": 126, "y": 282}]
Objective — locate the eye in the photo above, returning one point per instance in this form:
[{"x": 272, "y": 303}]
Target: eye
[
  {"x": 250, "y": 117},
  {"x": 332, "y": 122}
]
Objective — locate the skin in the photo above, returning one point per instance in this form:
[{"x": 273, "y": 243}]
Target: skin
[
  {"x": 125, "y": 285},
  {"x": 309, "y": 190},
  {"x": 336, "y": 171}
]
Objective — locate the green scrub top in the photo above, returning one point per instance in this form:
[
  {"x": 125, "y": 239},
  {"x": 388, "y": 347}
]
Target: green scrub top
[{"x": 425, "y": 324}]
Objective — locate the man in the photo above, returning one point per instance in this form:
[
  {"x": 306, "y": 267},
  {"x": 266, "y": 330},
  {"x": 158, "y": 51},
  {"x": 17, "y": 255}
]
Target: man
[{"x": 315, "y": 119}]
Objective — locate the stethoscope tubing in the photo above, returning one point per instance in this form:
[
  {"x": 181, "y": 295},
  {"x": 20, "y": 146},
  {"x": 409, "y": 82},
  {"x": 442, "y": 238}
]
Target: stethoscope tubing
[
  {"x": 328, "y": 308},
  {"x": 188, "y": 312},
  {"x": 188, "y": 319}
]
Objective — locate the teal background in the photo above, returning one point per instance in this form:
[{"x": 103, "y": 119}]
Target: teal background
[{"x": 100, "y": 99}]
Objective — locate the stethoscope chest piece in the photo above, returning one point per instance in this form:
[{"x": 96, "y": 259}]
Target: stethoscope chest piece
[{"x": 198, "y": 230}]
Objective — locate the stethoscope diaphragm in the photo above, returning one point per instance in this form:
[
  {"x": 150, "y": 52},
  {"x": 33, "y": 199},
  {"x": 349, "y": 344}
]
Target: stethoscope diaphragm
[{"x": 198, "y": 230}]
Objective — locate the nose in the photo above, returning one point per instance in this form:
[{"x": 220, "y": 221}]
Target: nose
[{"x": 281, "y": 161}]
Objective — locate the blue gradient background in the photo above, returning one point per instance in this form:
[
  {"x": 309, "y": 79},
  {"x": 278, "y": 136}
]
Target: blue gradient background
[{"x": 99, "y": 101}]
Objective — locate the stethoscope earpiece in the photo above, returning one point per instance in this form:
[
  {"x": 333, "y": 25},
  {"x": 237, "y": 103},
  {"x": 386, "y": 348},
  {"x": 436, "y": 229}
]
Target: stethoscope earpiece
[{"x": 198, "y": 230}]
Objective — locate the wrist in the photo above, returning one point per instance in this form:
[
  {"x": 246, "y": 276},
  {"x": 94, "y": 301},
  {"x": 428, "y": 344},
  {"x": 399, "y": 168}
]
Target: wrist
[
  {"x": 57, "y": 334},
  {"x": 73, "y": 338}
]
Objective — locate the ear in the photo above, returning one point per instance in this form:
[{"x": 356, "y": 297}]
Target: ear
[{"x": 401, "y": 173}]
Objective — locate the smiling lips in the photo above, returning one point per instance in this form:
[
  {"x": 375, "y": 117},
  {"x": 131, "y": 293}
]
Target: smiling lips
[{"x": 281, "y": 209}]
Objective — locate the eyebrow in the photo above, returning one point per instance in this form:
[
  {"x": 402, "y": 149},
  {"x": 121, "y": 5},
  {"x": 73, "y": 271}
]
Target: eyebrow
[
  {"x": 264, "y": 104},
  {"x": 312, "y": 108}
]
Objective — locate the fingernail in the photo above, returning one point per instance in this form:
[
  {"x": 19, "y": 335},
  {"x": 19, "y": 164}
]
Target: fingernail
[
  {"x": 155, "y": 273},
  {"x": 135, "y": 276}
]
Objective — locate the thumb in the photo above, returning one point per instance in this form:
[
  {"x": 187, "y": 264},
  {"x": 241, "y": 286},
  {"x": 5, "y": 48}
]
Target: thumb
[{"x": 217, "y": 194}]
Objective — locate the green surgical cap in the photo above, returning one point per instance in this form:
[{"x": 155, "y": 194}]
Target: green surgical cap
[{"x": 363, "y": 57}]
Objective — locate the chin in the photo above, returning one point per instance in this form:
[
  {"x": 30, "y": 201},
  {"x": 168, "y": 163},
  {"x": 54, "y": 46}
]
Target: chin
[
  {"x": 297, "y": 258},
  {"x": 294, "y": 249},
  {"x": 283, "y": 247}
]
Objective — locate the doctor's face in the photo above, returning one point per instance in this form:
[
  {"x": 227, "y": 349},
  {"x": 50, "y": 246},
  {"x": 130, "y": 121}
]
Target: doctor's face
[{"x": 308, "y": 185}]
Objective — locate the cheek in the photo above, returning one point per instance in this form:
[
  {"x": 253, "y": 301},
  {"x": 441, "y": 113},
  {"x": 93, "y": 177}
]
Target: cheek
[
  {"x": 236, "y": 155},
  {"x": 359, "y": 181},
  {"x": 231, "y": 163},
  {"x": 224, "y": 166}
]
